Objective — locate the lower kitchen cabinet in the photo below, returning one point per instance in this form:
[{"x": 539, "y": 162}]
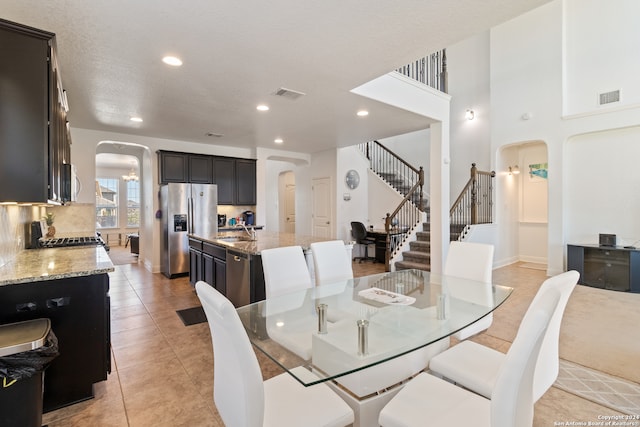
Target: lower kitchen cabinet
[
  {"x": 208, "y": 262},
  {"x": 79, "y": 310}
]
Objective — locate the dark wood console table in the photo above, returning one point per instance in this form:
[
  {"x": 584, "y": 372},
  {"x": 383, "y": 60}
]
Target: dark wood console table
[{"x": 607, "y": 267}]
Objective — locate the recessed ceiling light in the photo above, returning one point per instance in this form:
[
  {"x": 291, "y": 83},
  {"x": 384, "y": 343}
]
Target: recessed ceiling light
[
  {"x": 262, "y": 107},
  {"x": 172, "y": 60},
  {"x": 136, "y": 119},
  {"x": 278, "y": 141},
  {"x": 362, "y": 113}
]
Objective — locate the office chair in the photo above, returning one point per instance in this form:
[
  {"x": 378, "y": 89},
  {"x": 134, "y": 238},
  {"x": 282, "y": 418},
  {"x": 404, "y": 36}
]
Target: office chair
[{"x": 359, "y": 233}]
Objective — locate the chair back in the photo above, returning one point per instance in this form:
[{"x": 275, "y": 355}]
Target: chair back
[
  {"x": 548, "y": 364},
  {"x": 331, "y": 262},
  {"x": 358, "y": 231},
  {"x": 512, "y": 397},
  {"x": 238, "y": 391},
  {"x": 472, "y": 261},
  {"x": 285, "y": 270}
]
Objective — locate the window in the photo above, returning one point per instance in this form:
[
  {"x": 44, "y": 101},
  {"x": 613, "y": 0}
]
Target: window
[
  {"x": 133, "y": 203},
  {"x": 107, "y": 202}
]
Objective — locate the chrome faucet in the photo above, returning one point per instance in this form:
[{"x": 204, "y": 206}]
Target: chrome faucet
[{"x": 251, "y": 233}]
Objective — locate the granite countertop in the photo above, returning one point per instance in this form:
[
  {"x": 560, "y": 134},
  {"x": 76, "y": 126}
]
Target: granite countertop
[
  {"x": 264, "y": 240},
  {"x": 35, "y": 265}
]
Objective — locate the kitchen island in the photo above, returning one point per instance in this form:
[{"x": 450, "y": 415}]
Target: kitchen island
[
  {"x": 70, "y": 286},
  {"x": 231, "y": 262}
]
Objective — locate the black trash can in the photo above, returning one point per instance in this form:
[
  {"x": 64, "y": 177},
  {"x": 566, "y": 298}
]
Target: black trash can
[{"x": 26, "y": 349}]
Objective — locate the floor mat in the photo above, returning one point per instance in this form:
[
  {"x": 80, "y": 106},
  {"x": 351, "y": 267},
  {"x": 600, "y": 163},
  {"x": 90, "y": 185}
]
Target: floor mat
[
  {"x": 192, "y": 316},
  {"x": 606, "y": 390}
]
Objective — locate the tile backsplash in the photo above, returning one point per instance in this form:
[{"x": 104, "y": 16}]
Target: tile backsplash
[{"x": 15, "y": 229}]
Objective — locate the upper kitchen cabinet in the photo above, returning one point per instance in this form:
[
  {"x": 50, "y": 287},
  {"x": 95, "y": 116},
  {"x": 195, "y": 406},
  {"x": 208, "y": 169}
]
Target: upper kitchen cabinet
[
  {"x": 173, "y": 167},
  {"x": 184, "y": 167},
  {"x": 34, "y": 133},
  {"x": 235, "y": 178},
  {"x": 200, "y": 169},
  {"x": 245, "y": 182},
  {"x": 224, "y": 176}
]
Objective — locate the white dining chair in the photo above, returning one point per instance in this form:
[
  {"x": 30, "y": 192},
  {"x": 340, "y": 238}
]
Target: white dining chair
[
  {"x": 241, "y": 396},
  {"x": 285, "y": 270},
  {"x": 476, "y": 367},
  {"x": 473, "y": 261},
  {"x": 429, "y": 400},
  {"x": 331, "y": 262}
]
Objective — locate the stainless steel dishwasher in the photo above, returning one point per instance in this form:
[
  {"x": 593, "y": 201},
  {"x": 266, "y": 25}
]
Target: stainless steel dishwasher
[{"x": 238, "y": 278}]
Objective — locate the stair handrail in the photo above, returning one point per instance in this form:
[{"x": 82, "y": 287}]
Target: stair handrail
[
  {"x": 474, "y": 205},
  {"x": 372, "y": 149}
]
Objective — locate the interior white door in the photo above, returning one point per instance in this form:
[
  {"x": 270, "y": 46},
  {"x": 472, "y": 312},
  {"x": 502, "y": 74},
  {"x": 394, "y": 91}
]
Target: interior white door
[
  {"x": 322, "y": 207},
  {"x": 290, "y": 208}
]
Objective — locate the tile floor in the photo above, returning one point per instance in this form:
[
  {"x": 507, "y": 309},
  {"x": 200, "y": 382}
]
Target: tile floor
[{"x": 162, "y": 371}]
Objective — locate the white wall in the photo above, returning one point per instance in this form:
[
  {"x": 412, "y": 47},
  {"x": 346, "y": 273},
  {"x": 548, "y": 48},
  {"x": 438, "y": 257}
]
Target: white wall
[
  {"x": 602, "y": 182},
  {"x": 601, "y": 53},
  {"x": 526, "y": 77},
  {"x": 468, "y": 71},
  {"x": 357, "y": 207}
]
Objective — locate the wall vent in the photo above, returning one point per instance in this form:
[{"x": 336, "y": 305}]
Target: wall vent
[
  {"x": 289, "y": 93},
  {"x": 609, "y": 97}
]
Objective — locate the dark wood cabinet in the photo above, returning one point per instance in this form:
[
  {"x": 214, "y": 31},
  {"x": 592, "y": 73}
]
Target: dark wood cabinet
[
  {"x": 173, "y": 167},
  {"x": 245, "y": 182},
  {"x": 200, "y": 169},
  {"x": 35, "y": 140},
  {"x": 207, "y": 262},
  {"x": 235, "y": 178},
  {"x": 615, "y": 268},
  {"x": 224, "y": 177},
  {"x": 79, "y": 309}
]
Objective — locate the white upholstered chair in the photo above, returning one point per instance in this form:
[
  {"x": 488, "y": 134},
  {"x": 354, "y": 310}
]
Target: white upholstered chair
[
  {"x": 429, "y": 400},
  {"x": 473, "y": 261},
  {"x": 476, "y": 367},
  {"x": 241, "y": 396},
  {"x": 285, "y": 270},
  {"x": 331, "y": 262}
]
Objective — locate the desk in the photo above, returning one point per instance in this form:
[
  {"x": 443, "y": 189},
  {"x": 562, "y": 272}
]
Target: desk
[
  {"x": 380, "y": 235},
  {"x": 405, "y": 329}
]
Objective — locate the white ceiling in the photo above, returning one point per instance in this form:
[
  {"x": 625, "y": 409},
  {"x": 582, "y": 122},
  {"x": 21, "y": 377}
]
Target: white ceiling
[{"x": 237, "y": 54}]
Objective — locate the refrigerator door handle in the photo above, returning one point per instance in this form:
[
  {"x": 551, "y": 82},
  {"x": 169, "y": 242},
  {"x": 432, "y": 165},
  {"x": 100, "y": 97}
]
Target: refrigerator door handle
[{"x": 190, "y": 215}]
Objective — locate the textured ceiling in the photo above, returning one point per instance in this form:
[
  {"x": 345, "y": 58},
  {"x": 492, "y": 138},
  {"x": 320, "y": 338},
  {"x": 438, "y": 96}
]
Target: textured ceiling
[{"x": 237, "y": 54}]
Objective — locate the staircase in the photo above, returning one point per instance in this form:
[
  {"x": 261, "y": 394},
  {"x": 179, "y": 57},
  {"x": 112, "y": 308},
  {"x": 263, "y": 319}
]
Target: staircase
[
  {"x": 419, "y": 254},
  {"x": 395, "y": 180},
  {"x": 473, "y": 206}
]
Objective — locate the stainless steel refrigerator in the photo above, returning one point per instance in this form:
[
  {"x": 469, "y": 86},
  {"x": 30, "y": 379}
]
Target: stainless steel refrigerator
[{"x": 186, "y": 209}]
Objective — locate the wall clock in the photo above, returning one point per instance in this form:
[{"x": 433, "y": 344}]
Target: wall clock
[{"x": 352, "y": 179}]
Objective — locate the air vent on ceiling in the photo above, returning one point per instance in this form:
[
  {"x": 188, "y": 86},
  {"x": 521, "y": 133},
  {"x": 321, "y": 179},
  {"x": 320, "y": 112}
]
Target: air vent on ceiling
[
  {"x": 289, "y": 93},
  {"x": 212, "y": 134},
  {"x": 609, "y": 97}
]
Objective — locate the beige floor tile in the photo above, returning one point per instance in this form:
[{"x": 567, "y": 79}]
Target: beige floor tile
[{"x": 163, "y": 371}]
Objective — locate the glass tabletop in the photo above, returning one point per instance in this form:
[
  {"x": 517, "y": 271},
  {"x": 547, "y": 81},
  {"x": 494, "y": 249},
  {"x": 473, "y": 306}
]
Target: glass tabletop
[{"x": 337, "y": 329}]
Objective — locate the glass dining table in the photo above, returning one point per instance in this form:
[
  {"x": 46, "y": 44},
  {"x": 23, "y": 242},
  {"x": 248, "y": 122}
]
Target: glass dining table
[{"x": 338, "y": 329}]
